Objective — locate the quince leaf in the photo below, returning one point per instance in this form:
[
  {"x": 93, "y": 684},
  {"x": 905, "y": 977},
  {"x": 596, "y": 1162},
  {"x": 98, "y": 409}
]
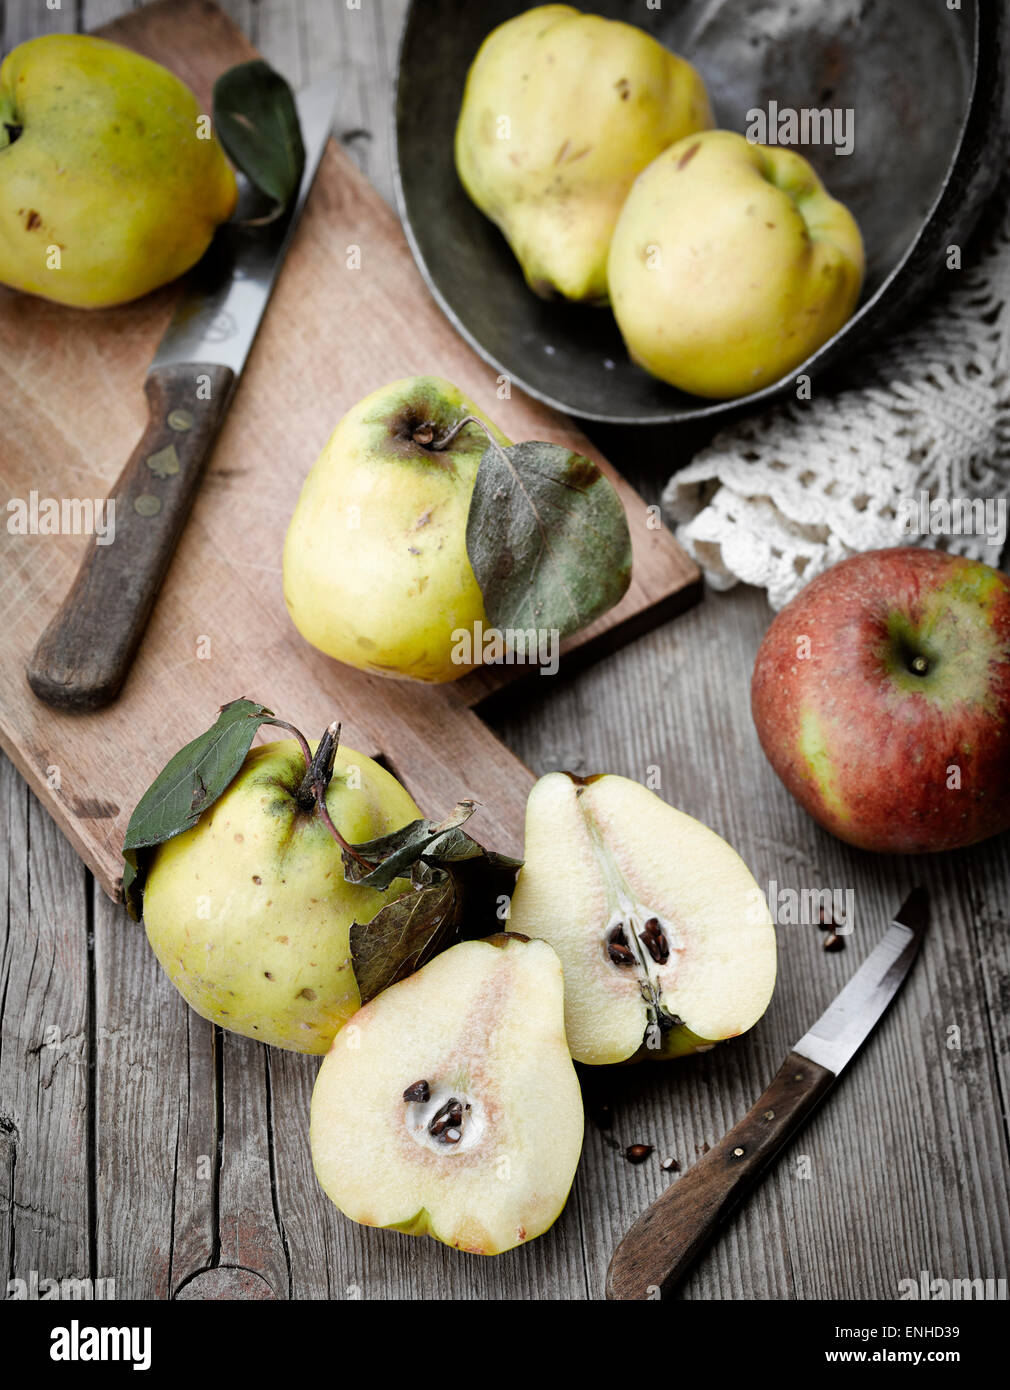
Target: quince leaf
[
  {"x": 391, "y": 856},
  {"x": 547, "y": 538},
  {"x": 439, "y": 844},
  {"x": 454, "y": 880},
  {"x": 256, "y": 120},
  {"x": 404, "y": 935},
  {"x": 189, "y": 783}
]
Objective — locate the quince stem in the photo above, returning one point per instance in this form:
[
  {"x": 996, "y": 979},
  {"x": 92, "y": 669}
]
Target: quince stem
[
  {"x": 318, "y": 772},
  {"x": 302, "y": 740},
  {"x": 447, "y": 438}
]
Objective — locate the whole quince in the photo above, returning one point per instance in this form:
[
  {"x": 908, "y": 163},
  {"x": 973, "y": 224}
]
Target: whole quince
[
  {"x": 561, "y": 111},
  {"x": 109, "y": 184},
  {"x": 376, "y": 571},
  {"x": 731, "y": 264},
  {"x": 249, "y": 912}
]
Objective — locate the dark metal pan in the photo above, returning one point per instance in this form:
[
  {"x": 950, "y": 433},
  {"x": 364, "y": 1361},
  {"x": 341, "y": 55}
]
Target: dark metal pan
[{"x": 927, "y": 85}]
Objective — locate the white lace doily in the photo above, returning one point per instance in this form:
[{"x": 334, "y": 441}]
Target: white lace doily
[{"x": 781, "y": 496}]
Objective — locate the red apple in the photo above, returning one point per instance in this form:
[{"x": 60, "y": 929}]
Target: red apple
[{"x": 881, "y": 697}]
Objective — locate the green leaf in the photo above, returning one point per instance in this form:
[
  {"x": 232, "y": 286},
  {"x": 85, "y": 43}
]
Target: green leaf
[
  {"x": 191, "y": 782},
  {"x": 437, "y": 843},
  {"x": 455, "y": 884},
  {"x": 256, "y": 120},
  {"x": 392, "y": 856},
  {"x": 547, "y": 538},
  {"x": 404, "y": 935}
]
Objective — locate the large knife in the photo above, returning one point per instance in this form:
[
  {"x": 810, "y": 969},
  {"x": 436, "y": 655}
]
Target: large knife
[
  {"x": 664, "y": 1241},
  {"x": 83, "y": 656}
]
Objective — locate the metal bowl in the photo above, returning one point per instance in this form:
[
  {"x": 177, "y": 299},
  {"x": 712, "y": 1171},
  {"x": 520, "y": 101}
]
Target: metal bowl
[{"x": 927, "y": 88}]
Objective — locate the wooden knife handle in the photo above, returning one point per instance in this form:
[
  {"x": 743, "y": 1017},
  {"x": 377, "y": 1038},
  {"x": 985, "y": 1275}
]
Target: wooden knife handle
[
  {"x": 664, "y": 1241},
  {"x": 82, "y": 658}
]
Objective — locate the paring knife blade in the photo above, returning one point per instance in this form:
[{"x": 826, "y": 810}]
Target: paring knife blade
[
  {"x": 83, "y": 657},
  {"x": 219, "y": 314},
  {"x": 666, "y": 1238},
  {"x": 847, "y": 1022}
]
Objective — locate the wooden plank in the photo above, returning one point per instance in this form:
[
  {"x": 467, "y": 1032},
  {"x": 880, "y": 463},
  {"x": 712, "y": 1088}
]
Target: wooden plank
[
  {"x": 156, "y": 1115},
  {"x": 251, "y": 1230},
  {"x": 45, "y": 1139},
  {"x": 279, "y": 28},
  {"x": 27, "y": 19},
  {"x": 74, "y": 408},
  {"x": 360, "y": 46}
]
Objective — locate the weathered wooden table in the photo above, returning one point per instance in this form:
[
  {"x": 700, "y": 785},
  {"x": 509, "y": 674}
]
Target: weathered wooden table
[{"x": 139, "y": 1147}]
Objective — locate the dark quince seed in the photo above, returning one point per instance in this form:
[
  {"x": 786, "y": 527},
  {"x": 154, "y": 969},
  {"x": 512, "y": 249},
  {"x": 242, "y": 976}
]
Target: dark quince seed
[
  {"x": 655, "y": 941},
  {"x": 834, "y": 942},
  {"x": 420, "y": 1091},
  {"x": 637, "y": 1153},
  {"x": 617, "y": 947},
  {"x": 447, "y": 1120}
]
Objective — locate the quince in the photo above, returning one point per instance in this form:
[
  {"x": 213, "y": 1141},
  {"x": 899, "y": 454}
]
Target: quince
[
  {"x": 560, "y": 113},
  {"x": 109, "y": 185},
  {"x": 730, "y": 265},
  {"x": 376, "y": 571},
  {"x": 249, "y": 912}
]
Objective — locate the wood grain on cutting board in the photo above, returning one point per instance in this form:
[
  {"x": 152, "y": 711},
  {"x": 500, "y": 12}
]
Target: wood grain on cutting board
[{"x": 71, "y": 383}]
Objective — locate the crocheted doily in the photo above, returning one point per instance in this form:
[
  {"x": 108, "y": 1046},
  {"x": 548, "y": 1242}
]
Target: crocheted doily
[{"x": 781, "y": 496}]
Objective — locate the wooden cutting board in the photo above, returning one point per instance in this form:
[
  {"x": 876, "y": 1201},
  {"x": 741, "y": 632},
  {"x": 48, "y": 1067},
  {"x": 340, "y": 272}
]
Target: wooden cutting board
[{"x": 71, "y": 387}]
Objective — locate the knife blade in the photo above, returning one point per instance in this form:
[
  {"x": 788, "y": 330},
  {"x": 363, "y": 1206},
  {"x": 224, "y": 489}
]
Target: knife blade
[
  {"x": 82, "y": 658},
  {"x": 668, "y": 1236}
]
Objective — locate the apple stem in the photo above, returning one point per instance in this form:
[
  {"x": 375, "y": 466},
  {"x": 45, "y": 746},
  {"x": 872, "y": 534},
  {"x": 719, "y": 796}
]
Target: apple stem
[{"x": 312, "y": 791}]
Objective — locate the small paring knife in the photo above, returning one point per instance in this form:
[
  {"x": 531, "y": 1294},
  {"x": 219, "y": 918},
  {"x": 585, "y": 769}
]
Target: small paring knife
[
  {"x": 665, "y": 1240},
  {"x": 83, "y": 656}
]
